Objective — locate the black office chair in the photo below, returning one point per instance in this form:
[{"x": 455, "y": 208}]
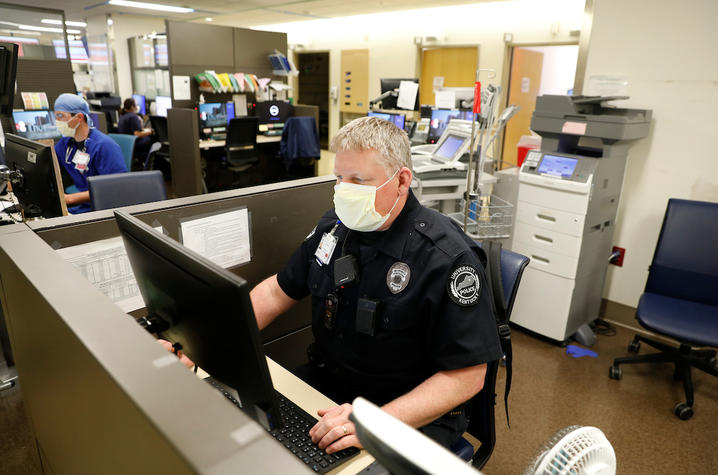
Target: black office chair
[
  {"x": 680, "y": 300},
  {"x": 481, "y": 407},
  {"x": 160, "y": 135},
  {"x": 125, "y": 189},
  {"x": 241, "y": 143}
]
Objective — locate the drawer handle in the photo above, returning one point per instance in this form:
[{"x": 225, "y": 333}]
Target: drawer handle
[
  {"x": 542, "y": 260},
  {"x": 545, "y": 217},
  {"x": 543, "y": 238}
]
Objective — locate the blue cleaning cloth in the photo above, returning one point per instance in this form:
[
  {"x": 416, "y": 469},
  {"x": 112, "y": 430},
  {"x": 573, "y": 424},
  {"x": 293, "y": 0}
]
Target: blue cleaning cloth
[
  {"x": 577, "y": 352},
  {"x": 73, "y": 104}
]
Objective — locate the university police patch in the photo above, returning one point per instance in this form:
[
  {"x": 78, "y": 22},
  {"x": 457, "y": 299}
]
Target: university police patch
[
  {"x": 464, "y": 286},
  {"x": 398, "y": 277}
]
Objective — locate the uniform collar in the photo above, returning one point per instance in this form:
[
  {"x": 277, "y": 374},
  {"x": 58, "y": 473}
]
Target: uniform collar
[{"x": 392, "y": 241}]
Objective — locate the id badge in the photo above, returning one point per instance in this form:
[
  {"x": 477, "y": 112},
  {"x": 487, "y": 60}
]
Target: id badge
[
  {"x": 81, "y": 159},
  {"x": 326, "y": 248}
]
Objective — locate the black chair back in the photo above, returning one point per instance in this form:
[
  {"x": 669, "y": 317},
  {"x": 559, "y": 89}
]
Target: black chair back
[
  {"x": 241, "y": 142},
  {"x": 159, "y": 126},
  {"x": 125, "y": 189}
]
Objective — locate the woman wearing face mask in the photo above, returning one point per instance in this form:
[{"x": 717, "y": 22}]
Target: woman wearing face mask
[
  {"x": 131, "y": 124},
  {"x": 401, "y": 313},
  {"x": 83, "y": 150}
]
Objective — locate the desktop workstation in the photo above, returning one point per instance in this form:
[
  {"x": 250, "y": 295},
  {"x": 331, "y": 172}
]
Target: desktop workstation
[{"x": 128, "y": 403}]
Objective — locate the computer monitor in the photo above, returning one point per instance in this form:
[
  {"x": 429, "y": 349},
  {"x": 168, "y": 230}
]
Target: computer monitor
[
  {"x": 440, "y": 118},
  {"x": 141, "y": 102},
  {"x": 396, "y": 119},
  {"x": 8, "y": 69},
  {"x": 162, "y": 103},
  {"x": 34, "y": 178},
  {"x": 391, "y": 84},
  {"x": 215, "y": 115},
  {"x": 35, "y": 125},
  {"x": 208, "y": 312},
  {"x": 449, "y": 146},
  {"x": 273, "y": 112}
]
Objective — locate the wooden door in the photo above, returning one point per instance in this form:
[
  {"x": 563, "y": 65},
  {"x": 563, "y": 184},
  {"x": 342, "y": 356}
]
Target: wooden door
[
  {"x": 354, "y": 89},
  {"x": 456, "y": 65},
  {"x": 524, "y": 84}
]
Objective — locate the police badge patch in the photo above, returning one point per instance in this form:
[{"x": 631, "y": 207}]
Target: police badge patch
[
  {"x": 398, "y": 277},
  {"x": 464, "y": 286}
]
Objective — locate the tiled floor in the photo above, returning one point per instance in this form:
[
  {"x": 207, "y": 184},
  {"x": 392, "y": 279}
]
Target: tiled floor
[{"x": 550, "y": 390}]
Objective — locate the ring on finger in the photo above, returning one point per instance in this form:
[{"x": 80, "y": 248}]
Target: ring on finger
[{"x": 346, "y": 431}]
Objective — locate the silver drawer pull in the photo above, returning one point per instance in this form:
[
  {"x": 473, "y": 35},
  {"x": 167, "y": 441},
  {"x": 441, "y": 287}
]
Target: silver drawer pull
[
  {"x": 540, "y": 259},
  {"x": 543, "y": 238},
  {"x": 545, "y": 217}
]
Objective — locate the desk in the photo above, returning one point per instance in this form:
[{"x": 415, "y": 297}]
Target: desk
[
  {"x": 261, "y": 139},
  {"x": 311, "y": 400}
]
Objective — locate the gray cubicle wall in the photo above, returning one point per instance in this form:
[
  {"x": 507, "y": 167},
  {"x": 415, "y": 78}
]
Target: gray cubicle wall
[
  {"x": 101, "y": 395},
  {"x": 281, "y": 216},
  {"x": 195, "y": 47},
  {"x": 185, "y": 160}
]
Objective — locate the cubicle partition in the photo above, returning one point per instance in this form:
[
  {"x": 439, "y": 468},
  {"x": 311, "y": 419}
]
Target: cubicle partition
[{"x": 101, "y": 395}]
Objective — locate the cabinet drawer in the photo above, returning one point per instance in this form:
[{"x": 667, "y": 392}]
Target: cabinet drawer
[
  {"x": 548, "y": 239},
  {"x": 547, "y": 261},
  {"x": 552, "y": 219}
]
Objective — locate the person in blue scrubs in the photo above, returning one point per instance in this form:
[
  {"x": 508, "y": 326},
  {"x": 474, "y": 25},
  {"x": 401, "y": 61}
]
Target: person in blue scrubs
[
  {"x": 83, "y": 150},
  {"x": 131, "y": 124}
]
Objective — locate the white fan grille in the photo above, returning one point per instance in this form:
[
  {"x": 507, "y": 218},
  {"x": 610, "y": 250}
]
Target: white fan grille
[{"x": 584, "y": 450}]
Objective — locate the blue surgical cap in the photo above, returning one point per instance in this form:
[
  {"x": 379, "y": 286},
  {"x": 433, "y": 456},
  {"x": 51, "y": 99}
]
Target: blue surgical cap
[{"x": 74, "y": 104}]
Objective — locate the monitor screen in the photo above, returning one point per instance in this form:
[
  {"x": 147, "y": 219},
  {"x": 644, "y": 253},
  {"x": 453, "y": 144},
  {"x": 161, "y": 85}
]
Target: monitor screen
[
  {"x": 215, "y": 114},
  {"x": 78, "y": 53},
  {"x": 558, "y": 166},
  {"x": 162, "y": 103},
  {"x": 450, "y": 147},
  {"x": 396, "y": 119},
  {"x": 35, "y": 125},
  {"x": 392, "y": 84},
  {"x": 440, "y": 119},
  {"x": 141, "y": 102},
  {"x": 208, "y": 311},
  {"x": 381, "y": 115},
  {"x": 273, "y": 112},
  {"x": 36, "y": 188}
]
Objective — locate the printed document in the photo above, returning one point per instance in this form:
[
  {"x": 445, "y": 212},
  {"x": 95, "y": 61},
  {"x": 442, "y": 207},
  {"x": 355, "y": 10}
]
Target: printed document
[{"x": 222, "y": 238}]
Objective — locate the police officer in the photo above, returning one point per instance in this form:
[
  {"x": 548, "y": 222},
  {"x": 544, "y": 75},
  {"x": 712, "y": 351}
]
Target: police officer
[{"x": 401, "y": 310}]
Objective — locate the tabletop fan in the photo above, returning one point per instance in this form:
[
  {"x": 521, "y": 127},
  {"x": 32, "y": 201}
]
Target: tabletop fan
[{"x": 575, "y": 450}]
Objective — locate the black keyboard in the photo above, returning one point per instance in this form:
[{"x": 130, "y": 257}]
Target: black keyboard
[{"x": 294, "y": 434}]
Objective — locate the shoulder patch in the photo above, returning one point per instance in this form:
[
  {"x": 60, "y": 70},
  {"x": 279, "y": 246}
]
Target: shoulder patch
[{"x": 464, "y": 286}]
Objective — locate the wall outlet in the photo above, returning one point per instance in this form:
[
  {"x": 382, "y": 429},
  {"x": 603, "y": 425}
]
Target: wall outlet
[{"x": 617, "y": 255}]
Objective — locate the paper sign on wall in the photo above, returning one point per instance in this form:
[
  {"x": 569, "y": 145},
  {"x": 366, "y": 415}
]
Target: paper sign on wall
[
  {"x": 180, "y": 88},
  {"x": 407, "y": 95},
  {"x": 525, "y": 84},
  {"x": 222, "y": 238}
]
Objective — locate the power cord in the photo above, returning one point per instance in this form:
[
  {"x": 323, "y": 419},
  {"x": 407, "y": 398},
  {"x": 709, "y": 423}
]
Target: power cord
[{"x": 602, "y": 327}]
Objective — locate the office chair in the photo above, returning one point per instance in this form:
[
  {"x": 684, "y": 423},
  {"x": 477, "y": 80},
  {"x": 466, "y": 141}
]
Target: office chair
[
  {"x": 125, "y": 189},
  {"x": 300, "y": 146},
  {"x": 127, "y": 144},
  {"x": 481, "y": 407},
  {"x": 160, "y": 130},
  {"x": 680, "y": 300},
  {"x": 241, "y": 143}
]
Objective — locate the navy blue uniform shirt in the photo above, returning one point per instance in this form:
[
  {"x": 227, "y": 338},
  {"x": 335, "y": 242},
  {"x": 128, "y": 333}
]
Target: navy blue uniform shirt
[
  {"x": 435, "y": 311},
  {"x": 105, "y": 158},
  {"x": 129, "y": 123}
]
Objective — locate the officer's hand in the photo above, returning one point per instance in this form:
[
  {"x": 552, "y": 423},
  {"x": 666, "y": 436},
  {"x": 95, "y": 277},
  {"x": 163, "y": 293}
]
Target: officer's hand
[
  {"x": 334, "y": 431},
  {"x": 183, "y": 359}
]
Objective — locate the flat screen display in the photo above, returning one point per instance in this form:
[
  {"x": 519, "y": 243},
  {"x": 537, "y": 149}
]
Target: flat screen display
[
  {"x": 557, "y": 166},
  {"x": 141, "y": 103},
  {"x": 449, "y": 147},
  {"x": 35, "y": 125},
  {"x": 215, "y": 114},
  {"x": 163, "y": 103},
  {"x": 396, "y": 119}
]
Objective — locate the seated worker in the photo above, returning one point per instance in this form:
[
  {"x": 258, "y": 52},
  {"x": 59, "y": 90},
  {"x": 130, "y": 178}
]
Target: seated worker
[
  {"x": 414, "y": 331},
  {"x": 83, "y": 150},
  {"x": 131, "y": 124}
]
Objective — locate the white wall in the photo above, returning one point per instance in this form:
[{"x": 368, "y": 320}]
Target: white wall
[
  {"x": 390, "y": 36},
  {"x": 559, "y": 68},
  {"x": 668, "y": 53},
  {"x": 124, "y": 27}
]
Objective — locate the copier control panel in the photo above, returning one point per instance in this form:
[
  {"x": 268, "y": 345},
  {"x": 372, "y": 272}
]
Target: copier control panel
[{"x": 559, "y": 166}]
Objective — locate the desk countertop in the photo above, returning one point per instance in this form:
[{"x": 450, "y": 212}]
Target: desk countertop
[
  {"x": 311, "y": 401},
  {"x": 205, "y": 144}
]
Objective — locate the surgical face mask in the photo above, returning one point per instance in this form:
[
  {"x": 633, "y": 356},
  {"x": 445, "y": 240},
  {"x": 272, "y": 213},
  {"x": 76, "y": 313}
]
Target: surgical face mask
[
  {"x": 354, "y": 205},
  {"x": 65, "y": 129}
]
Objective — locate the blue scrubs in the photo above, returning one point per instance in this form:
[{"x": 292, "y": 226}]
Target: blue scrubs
[{"x": 105, "y": 158}]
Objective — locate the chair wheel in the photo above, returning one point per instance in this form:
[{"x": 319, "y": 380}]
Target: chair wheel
[
  {"x": 634, "y": 346},
  {"x": 614, "y": 372},
  {"x": 713, "y": 362},
  {"x": 683, "y": 411}
]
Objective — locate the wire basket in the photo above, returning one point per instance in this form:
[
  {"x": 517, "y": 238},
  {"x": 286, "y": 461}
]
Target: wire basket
[{"x": 490, "y": 217}]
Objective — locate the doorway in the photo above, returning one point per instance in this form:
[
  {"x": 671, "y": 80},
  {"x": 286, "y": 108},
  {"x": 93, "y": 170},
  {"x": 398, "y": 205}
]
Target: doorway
[
  {"x": 313, "y": 88},
  {"x": 535, "y": 71}
]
